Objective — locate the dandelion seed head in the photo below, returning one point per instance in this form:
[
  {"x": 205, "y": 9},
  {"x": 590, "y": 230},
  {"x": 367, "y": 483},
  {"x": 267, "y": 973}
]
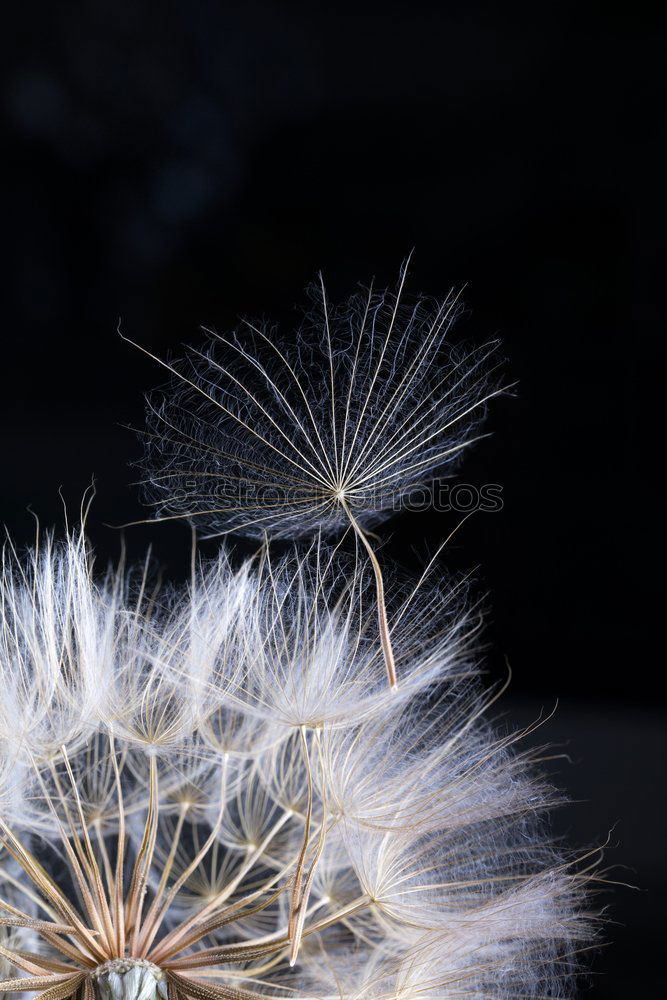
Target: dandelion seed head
[{"x": 335, "y": 842}]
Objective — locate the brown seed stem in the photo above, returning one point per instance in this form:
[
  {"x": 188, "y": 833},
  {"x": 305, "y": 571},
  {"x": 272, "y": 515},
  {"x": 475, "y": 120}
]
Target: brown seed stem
[{"x": 383, "y": 624}]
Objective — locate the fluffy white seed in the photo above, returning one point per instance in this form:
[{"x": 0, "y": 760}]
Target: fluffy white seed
[{"x": 370, "y": 403}]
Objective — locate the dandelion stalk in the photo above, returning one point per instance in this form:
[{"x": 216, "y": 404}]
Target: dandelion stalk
[{"x": 383, "y": 624}]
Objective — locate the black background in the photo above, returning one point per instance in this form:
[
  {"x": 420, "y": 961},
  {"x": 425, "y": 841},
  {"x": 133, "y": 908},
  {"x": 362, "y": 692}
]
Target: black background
[{"x": 181, "y": 164}]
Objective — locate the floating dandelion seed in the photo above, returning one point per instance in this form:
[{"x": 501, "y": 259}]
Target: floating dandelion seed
[
  {"x": 215, "y": 803},
  {"x": 372, "y": 403}
]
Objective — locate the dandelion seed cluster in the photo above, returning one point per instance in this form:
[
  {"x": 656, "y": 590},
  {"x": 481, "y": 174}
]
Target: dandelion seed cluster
[{"x": 211, "y": 793}]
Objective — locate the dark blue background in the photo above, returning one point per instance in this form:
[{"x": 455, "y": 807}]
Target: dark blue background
[{"x": 184, "y": 163}]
